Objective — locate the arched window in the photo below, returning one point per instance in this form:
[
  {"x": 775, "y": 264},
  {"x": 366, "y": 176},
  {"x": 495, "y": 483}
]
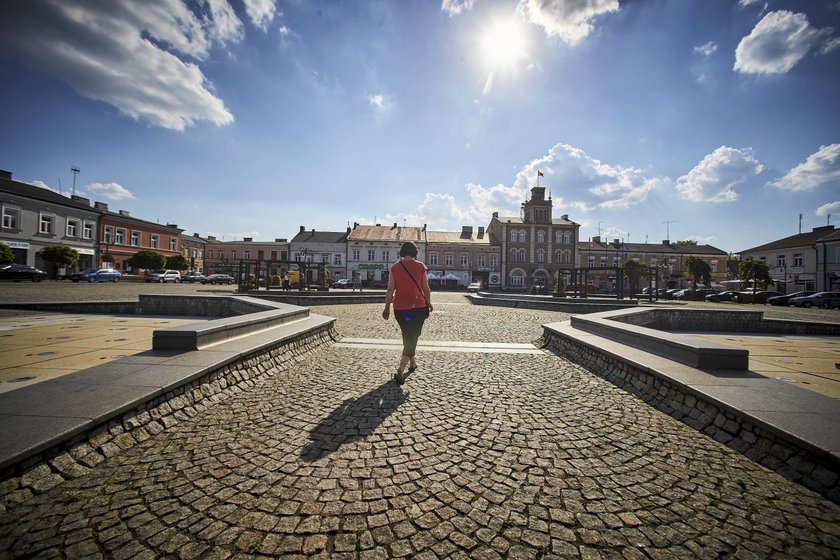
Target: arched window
[
  {"x": 522, "y": 236},
  {"x": 567, "y": 257},
  {"x": 540, "y": 256},
  {"x": 513, "y": 235},
  {"x": 567, "y": 238},
  {"x": 558, "y": 236},
  {"x": 522, "y": 255},
  {"x": 541, "y": 236},
  {"x": 514, "y": 255},
  {"x": 558, "y": 256},
  {"x": 517, "y": 278}
]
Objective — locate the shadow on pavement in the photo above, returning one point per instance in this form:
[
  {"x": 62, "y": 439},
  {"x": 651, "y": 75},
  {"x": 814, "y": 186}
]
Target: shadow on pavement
[{"x": 353, "y": 420}]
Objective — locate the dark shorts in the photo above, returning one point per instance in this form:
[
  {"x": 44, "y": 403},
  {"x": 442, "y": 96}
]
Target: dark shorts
[{"x": 411, "y": 324}]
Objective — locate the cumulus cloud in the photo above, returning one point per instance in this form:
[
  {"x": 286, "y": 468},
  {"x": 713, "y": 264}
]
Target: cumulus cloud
[
  {"x": 140, "y": 57},
  {"x": 820, "y": 168},
  {"x": 455, "y": 7},
  {"x": 706, "y": 50},
  {"x": 830, "y": 208},
  {"x": 109, "y": 191},
  {"x": 714, "y": 178},
  {"x": 778, "y": 42},
  {"x": 568, "y": 21},
  {"x": 376, "y": 100},
  {"x": 261, "y": 12}
]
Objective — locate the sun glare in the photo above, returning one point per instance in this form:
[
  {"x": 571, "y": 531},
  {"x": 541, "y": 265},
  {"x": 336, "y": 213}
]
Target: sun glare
[{"x": 503, "y": 45}]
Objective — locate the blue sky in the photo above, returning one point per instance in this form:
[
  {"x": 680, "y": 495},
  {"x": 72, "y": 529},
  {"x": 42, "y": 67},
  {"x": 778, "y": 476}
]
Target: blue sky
[{"x": 249, "y": 118}]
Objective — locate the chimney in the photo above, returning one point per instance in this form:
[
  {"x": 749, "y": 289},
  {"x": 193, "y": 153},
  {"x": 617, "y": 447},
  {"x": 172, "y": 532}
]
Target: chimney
[
  {"x": 302, "y": 229},
  {"x": 247, "y": 239},
  {"x": 349, "y": 229},
  {"x": 196, "y": 235},
  {"x": 424, "y": 227},
  {"x": 81, "y": 199},
  {"x": 466, "y": 231},
  {"x": 355, "y": 225},
  {"x": 480, "y": 232},
  {"x": 101, "y": 206},
  {"x": 596, "y": 239},
  {"x": 666, "y": 241},
  {"x": 124, "y": 213},
  {"x": 616, "y": 241},
  {"x": 394, "y": 226},
  {"x": 211, "y": 238},
  {"x": 565, "y": 217},
  {"x": 5, "y": 174},
  {"x": 496, "y": 215}
]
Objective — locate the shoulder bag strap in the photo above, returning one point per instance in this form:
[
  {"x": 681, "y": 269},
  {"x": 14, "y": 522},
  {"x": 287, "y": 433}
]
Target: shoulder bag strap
[{"x": 412, "y": 279}]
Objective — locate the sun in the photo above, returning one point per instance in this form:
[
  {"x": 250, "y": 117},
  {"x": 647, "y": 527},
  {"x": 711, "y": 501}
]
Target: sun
[{"x": 503, "y": 45}]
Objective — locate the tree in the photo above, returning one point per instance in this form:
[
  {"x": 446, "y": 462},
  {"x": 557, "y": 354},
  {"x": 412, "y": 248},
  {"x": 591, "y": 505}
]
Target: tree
[
  {"x": 634, "y": 271},
  {"x": 147, "y": 259},
  {"x": 325, "y": 274},
  {"x": 733, "y": 263},
  {"x": 59, "y": 255},
  {"x": 698, "y": 268},
  {"x": 756, "y": 271},
  {"x": 687, "y": 242},
  {"x": 177, "y": 262},
  {"x": 6, "y": 254},
  {"x": 560, "y": 286}
]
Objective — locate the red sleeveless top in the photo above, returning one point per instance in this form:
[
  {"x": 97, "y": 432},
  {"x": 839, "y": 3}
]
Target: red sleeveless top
[{"x": 406, "y": 294}]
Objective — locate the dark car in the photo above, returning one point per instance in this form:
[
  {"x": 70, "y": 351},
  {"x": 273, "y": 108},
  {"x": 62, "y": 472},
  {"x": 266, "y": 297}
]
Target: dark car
[
  {"x": 785, "y": 299},
  {"x": 218, "y": 279},
  {"x": 721, "y": 296},
  {"x": 747, "y": 296},
  {"x": 819, "y": 299},
  {"x": 18, "y": 272},
  {"x": 343, "y": 283}
]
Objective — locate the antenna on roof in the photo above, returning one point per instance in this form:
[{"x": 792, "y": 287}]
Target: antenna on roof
[
  {"x": 62, "y": 192},
  {"x": 75, "y": 171}
]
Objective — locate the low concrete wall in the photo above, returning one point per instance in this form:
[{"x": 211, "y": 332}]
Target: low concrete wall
[
  {"x": 307, "y": 299},
  {"x": 562, "y": 305},
  {"x": 723, "y": 320},
  {"x": 812, "y": 468}
]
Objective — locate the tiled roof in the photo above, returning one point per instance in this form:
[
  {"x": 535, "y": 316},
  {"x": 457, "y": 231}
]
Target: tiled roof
[
  {"x": 671, "y": 248},
  {"x": 456, "y": 237},
  {"x": 311, "y": 236},
  {"x": 806, "y": 239},
  {"x": 387, "y": 233},
  {"x": 38, "y": 193},
  {"x": 518, "y": 220}
]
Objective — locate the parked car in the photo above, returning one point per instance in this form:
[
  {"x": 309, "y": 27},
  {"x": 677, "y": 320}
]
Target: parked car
[
  {"x": 164, "y": 276},
  {"x": 747, "y": 296},
  {"x": 380, "y": 284},
  {"x": 695, "y": 295},
  {"x": 18, "y": 272},
  {"x": 514, "y": 288},
  {"x": 101, "y": 275},
  {"x": 474, "y": 287},
  {"x": 720, "y": 296},
  {"x": 192, "y": 277},
  {"x": 343, "y": 283},
  {"x": 785, "y": 299},
  {"x": 828, "y": 300},
  {"x": 218, "y": 279}
]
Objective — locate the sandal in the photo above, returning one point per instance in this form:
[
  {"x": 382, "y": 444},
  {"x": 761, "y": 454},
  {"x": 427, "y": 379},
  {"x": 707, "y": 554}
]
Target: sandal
[
  {"x": 399, "y": 377},
  {"x": 412, "y": 369}
]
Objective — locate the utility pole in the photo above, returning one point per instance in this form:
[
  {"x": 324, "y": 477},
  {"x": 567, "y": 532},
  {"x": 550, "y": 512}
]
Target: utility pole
[
  {"x": 668, "y": 228},
  {"x": 75, "y": 171}
]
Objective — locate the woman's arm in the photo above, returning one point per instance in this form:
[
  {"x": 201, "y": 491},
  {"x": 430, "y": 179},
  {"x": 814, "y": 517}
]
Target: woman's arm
[
  {"x": 427, "y": 293},
  {"x": 389, "y": 296}
]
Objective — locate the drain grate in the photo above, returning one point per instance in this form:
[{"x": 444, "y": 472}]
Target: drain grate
[{"x": 22, "y": 379}]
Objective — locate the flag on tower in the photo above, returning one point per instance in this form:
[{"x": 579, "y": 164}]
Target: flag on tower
[{"x": 540, "y": 174}]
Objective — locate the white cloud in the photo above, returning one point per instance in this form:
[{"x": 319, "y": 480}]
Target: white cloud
[
  {"x": 570, "y": 21},
  {"x": 830, "y": 45},
  {"x": 745, "y": 3},
  {"x": 261, "y": 12},
  {"x": 376, "y": 100},
  {"x": 135, "y": 56},
  {"x": 820, "y": 167},
  {"x": 109, "y": 191},
  {"x": 43, "y": 185},
  {"x": 714, "y": 178},
  {"x": 702, "y": 239},
  {"x": 830, "y": 208},
  {"x": 778, "y": 42},
  {"x": 284, "y": 31},
  {"x": 706, "y": 50},
  {"x": 455, "y": 7}
]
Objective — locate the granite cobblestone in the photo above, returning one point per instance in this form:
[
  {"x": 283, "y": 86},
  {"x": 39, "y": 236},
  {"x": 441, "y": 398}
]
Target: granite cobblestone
[{"x": 476, "y": 456}]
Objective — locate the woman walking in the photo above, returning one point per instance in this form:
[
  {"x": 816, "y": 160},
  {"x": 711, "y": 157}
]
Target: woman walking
[{"x": 408, "y": 290}]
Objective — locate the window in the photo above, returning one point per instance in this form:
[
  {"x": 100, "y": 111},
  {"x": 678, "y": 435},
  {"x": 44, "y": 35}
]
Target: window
[
  {"x": 591, "y": 261},
  {"x": 371, "y": 255},
  {"x": 108, "y": 235},
  {"x": 541, "y": 236},
  {"x": 356, "y": 254},
  {"x": 87, "y": 230},
  {"x": 494, "y": 260},
  {"x": 433, "y": 258},
  {"x": 46, "y": 224},
  {"x": 283, "y": 256},
  {"x": 480, "y": 260},
  {"x": 337, "y": 259},
  {"x": 135, "y": 238},
  {"x": 513, "y": 235},
  {"x": 567, "y": 237},
  {"x": 120, "y": 237},
  {"x": 246, "y": 254},
  {"x": 156, "y": 241},
  {"x": 780, "y": 261},
  {"x": 516, "y": 278},
  {"x": 209, "y": 253},
  {"x": 450, "y": 259},
  {"x": 558, "y": 236},
  {"x": 797, "y": 259},
  {"x": 72, "y": 229},
  {"x": 540, "y": 256},
  {"x": 173, "y": 243},
  {"x": 604, "y": 262},
  {"x": 465, "y": 259},
  {"x": 567, "y": 257},
  {"x": 522, "y": 236},
  {"x": 274, "y": 255},
  {"x": 11, "y": 218},
  {"x": 522, "y": 255},
  {"x": 514, "y": 255},
  {"x": 615, "y": 262},
  {"x": 260, "y": 254},
  {"x": 713, "y": 265},
  {"x": 233, "y": 253},
  {"x": 386, "y": 256}
]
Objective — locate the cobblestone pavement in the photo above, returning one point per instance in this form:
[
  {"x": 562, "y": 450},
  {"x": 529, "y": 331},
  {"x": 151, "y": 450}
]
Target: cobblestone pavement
[{"x": 477, "y": 456}]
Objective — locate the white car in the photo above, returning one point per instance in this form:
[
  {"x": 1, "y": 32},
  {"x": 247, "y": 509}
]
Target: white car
[
  {"x": 474, "y": 287},
  {"x": 164, "y": 276}
]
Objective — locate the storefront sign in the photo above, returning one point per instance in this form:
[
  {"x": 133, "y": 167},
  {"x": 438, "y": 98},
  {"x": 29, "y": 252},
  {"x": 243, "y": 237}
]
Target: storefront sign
[
  {"x": 485, "y": 269},
  {"x": 85, "y": 251},
  {"x": 15, "y": 244},
  {"x": 371, "y": 266}
]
